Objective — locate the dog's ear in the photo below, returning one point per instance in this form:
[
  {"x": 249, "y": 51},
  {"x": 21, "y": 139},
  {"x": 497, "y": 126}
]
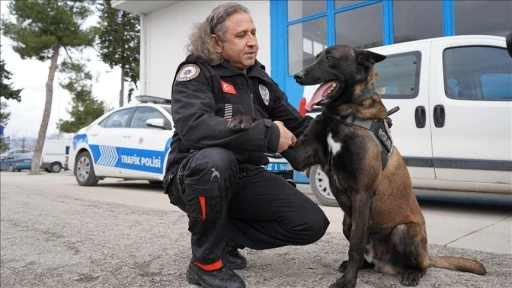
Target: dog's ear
[{"x": 368, "y": 58}]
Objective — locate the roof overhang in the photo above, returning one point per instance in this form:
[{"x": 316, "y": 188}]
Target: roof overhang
[{"x": 140, "y": 7}]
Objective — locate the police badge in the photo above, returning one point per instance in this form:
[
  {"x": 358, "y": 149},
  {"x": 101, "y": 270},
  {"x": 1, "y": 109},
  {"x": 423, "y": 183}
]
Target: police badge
[
  {"x": 188, "y": 72},
  {"x": 265, "y": 95}
]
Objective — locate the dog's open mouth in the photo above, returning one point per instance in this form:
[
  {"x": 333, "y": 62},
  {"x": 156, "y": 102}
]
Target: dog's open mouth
[{"x": 321, "y": 93}]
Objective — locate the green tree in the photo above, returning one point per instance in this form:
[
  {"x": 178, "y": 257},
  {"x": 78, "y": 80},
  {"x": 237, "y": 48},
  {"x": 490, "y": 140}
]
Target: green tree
[
  {"x": 119, "y": 44},
  {"x": 85, "y": 108},
  {"x": 6, "y": 92},
  {"x": 40, "y": 30}
]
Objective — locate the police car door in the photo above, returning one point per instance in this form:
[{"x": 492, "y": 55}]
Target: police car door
[
  {"x": 471, "y": 104},
  {"x": 151, "y": 131},
  {"x": 106, "y": 139},
  {"x": 403, "y": 81}
]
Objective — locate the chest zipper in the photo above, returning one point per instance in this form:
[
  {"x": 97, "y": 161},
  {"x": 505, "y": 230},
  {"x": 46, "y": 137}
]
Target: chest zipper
[{"x": 252, "y": 96}]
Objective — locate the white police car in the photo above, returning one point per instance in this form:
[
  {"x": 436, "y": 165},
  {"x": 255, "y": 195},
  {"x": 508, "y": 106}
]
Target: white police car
[{"x": 133, "y": 143}]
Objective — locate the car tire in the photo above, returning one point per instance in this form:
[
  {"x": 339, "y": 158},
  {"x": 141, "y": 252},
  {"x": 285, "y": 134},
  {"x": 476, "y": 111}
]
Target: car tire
[
  {"x": 55, "y": 167},
  {"x": 84, "y": 170},
  {"x": 11, "y": 168},
  {"x": 320, "y": 185}
]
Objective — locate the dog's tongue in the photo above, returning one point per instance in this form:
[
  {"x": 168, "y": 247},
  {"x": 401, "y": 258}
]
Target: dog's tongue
[{"x": 319, "y": 94}]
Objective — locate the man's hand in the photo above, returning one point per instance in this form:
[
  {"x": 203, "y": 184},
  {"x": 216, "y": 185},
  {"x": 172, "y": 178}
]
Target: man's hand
[{"x": 286, "y": 138}]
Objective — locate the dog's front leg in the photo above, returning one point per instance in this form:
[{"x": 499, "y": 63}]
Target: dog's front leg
[{"x": 361, "y": 202}]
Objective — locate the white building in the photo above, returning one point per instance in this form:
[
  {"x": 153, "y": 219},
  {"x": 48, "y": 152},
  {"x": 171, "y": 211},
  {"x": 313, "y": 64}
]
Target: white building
[{"x": 284, "y": 27}]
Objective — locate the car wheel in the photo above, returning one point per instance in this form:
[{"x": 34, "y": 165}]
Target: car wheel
[
  {"x": 11, "y": 168},
  {"x": 320, "y": 185},
  {"x": 55, "y": 167},
  {"x": 84, "y": 168}
]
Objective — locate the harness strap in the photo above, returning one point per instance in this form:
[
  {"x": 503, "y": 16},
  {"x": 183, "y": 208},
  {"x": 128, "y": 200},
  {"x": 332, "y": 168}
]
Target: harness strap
[{"x": 378, "y": 132}]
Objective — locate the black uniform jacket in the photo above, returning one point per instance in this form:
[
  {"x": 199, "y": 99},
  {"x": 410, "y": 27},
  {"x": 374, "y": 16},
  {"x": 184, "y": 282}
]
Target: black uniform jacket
[{"x": 202, "y": 106}]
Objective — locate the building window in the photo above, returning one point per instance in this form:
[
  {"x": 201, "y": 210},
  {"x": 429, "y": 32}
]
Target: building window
[
  {"x": 301, "y": 9},
  {"x": 399, "y": 76},
  {"x": 361, "y": 27},
  {"x": 344, "y": 3},
  {"x": 414, "y": 20},
  {"x": 312, "y": 37},
  {"x": 477, "y": 73},
  {"x": 482, "y": 17}
]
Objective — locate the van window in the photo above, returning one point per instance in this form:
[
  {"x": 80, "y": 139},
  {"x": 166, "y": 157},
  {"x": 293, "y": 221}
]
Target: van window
[
  {"x": 399, "y": 76},
  {"x": 477, "y": 73}
]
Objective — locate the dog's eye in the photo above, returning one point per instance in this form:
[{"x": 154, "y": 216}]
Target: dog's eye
[{"x": 328, "y": 57}]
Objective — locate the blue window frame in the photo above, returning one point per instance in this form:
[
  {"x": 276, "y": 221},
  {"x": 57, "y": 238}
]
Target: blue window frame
[{"x": 279, "y": 35}]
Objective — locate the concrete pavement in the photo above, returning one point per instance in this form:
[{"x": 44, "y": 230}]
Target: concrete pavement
[{"x": 448, "y": 225}]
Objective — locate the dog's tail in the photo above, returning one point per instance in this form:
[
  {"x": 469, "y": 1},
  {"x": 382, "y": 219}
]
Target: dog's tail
[{"x": 460, "y": 264}]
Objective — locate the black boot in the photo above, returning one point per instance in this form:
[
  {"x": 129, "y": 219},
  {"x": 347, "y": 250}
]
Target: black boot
[
  {"x": 234, "y": 259},
  {"x": 222, "y": 278}
]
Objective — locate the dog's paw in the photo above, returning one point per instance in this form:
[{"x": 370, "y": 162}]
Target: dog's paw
[
  {"x": 410, "y": 278},
  {"x": 344, "y": 283},
  {"x": 240, "y": 122}
]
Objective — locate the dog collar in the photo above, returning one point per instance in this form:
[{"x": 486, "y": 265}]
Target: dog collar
[{"x": 365, "y": 94}]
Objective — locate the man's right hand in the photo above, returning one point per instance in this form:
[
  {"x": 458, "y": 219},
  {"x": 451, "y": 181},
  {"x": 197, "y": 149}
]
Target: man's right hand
[{"x": 286, "y": 138}]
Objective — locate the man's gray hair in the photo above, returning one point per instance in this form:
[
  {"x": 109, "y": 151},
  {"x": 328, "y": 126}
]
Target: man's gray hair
[{"x": 200, "y": 42}]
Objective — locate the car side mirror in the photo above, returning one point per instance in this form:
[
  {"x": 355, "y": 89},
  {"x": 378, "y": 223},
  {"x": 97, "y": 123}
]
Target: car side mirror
[
  {"x": 157, "y": 123},
  {"x": 509, "y": 43}
]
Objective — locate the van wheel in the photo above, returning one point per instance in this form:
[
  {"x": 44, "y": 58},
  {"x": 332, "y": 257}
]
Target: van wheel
[
  {"x": 55, "y": 167},
  {"x": 85, "y": 170},
  {"x": 320, "y": 186}
]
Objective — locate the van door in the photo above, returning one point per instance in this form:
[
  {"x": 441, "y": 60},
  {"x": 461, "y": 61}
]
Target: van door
[
  {"x": 471, "y": 108},
  {"x": 403, "y": 82}
]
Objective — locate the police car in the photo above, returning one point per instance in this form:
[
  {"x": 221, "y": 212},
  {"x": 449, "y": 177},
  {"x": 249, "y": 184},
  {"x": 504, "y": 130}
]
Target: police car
[{"x": 133, "y": 143}]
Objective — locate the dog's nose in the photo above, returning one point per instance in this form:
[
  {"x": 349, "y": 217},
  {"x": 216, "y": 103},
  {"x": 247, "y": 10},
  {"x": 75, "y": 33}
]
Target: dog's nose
[{"x": 299, "y": 75}]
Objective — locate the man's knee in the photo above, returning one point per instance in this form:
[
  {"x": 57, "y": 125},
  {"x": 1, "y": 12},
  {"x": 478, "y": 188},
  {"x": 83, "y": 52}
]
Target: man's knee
[
  {"x": 312, "y": 226},
  {"x": 212, "y": 164}
]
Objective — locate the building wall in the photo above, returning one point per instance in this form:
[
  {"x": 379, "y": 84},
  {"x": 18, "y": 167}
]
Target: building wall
[{"x": 165, "y": 34}]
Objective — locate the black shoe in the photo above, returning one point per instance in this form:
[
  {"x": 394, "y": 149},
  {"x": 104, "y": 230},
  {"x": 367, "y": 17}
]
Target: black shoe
[
  {"x": 222, "y": 278},
  {"x": 234, "y": 259}
]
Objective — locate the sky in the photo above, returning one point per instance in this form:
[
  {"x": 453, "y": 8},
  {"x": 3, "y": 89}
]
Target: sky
[{"x": 31, "y": 76}]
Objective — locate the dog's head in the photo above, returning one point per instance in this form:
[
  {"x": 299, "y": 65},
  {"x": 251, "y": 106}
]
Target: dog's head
[{"x": 338, "y": 69}]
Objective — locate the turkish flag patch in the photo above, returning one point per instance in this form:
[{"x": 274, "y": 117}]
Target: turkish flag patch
[{"x": 227, "y": 88}]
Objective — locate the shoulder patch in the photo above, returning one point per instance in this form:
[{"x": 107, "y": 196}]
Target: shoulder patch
[{"x": 188, "y": 72}]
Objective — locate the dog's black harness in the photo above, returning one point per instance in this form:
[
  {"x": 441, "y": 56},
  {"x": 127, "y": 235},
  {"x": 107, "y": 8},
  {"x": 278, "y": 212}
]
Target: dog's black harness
[
  {"x": 378, "y": 128},
  {"x": 378, "y": 131}
]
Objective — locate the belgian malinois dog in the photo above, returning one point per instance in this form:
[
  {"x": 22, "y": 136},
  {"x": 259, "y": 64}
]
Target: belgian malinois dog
[{"x": 350, "y": 140}]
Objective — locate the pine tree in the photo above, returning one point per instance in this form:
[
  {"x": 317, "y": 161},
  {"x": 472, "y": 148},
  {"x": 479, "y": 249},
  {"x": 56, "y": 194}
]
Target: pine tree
[
  {"x": 6, "y": 92},
  {"x": 119, "y": 43},
  {"x": 41, "y": 30},
  {"x": 84, "y": 107}
]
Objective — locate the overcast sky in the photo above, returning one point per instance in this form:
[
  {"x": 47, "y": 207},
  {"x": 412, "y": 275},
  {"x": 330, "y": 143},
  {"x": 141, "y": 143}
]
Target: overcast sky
[{"x": 31, "y": 76}]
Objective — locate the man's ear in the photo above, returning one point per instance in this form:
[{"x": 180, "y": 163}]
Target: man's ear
[
  {"x": 217, "y": 44},
  {"x": 368, "y": 58}
]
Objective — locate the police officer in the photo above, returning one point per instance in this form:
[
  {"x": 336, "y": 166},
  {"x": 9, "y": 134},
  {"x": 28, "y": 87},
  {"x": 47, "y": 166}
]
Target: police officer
[{"x": 215, "y": 174}]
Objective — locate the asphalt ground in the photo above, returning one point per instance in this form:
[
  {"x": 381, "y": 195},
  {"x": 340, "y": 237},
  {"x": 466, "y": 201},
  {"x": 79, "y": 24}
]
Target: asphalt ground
[{"x": 55, "y": 233}]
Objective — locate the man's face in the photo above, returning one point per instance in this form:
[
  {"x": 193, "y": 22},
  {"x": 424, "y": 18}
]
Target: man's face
[{"x": 240, "y": 46}]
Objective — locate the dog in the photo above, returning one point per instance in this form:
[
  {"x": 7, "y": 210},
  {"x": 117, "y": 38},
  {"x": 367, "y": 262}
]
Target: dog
[{"x": 351, "y": 142}]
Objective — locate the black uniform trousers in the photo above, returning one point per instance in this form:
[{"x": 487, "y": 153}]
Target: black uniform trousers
[{"x": 240, "y": 206}]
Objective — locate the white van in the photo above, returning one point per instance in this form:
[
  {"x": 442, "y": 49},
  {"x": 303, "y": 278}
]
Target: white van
[
  {"x": 454, "y": 126},
  {"x": 55, "y": 154}
]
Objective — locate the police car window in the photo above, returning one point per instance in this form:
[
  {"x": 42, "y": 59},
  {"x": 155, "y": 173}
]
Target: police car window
[
  {"x": 399, "y": 76},
  {"x": 142, "y": 114},
  {"x": 481, "y": 73},
  {"x": 118, "y": 119}
]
